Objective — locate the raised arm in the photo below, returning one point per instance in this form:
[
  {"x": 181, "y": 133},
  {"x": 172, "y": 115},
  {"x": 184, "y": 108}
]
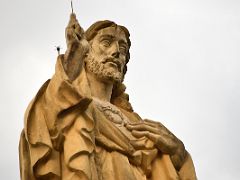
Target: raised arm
[{"x": 77, "y": 48}]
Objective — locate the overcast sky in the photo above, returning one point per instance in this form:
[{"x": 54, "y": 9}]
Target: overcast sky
[{"x": 184, "y": 70}]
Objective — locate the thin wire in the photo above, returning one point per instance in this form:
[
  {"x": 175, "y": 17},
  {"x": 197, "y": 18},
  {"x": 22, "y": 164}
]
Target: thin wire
[{"x": 72, "y": 6}]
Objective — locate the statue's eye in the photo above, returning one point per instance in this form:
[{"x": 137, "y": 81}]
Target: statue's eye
[
  {"x": 106, "y": 42},
  {"x": 123, "y": 49}
]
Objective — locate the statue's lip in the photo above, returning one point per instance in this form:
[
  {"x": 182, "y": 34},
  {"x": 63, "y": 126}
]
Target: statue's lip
[{"x": 113, "y": 61}]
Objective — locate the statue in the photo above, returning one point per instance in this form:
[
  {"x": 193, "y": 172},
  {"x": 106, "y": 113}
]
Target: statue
[{"x": 81, "y": 125}]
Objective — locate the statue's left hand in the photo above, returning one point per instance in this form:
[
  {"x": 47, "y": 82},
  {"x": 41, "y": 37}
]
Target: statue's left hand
[{"x": 163, "y": 139}]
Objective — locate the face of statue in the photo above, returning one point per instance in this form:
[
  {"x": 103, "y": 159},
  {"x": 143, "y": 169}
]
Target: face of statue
[{"x": 107, "y": 56}]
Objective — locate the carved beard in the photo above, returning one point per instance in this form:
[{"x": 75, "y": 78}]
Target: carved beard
[{"x": 102, "y": 72}]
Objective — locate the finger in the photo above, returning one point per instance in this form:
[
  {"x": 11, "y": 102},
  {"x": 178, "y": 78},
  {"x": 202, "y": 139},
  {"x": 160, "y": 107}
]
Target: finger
[
  {"x": 134, "y": 123},
  {"x": 166, "y": 145},
  {"x": 139, "y": 134},
  {"x": 78, "y": 28},
  {"x": 153, "y": 137},
  {"x": 72, "y": 20},
  {"x": 139, "y": 144},
  {"x": 142, "y": 127},
  {"x": 148, "y": 122},
  {"x": 146, "y": 127},
  {"x": 78, "y": 31},
  {"x": 154, "y": 127},
  {"x": 73, "y": 16},
  {"x": 71, "y": 35},
  {"x": 149, "y": 135},
  {"x": 152, "y": 123},
  {"x": 158, "y": 125}
]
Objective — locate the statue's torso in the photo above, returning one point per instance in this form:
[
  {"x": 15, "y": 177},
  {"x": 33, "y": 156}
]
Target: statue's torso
[{"x": 114, "y": 162}]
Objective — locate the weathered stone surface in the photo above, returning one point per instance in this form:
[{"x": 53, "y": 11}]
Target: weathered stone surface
[{"x": 81, "y": 125}]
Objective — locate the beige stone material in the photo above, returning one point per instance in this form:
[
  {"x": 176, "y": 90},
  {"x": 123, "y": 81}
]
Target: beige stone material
[{"x": 81, "y": 125}]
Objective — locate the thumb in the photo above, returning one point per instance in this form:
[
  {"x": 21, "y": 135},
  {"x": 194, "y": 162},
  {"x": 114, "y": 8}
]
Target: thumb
[
  {"x": 73, "y": 16},
  {"x": 72, "y": 19}
]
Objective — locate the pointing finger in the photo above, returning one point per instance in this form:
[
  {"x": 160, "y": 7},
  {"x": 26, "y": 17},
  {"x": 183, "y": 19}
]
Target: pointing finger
[{"x": 143, "y": 127}]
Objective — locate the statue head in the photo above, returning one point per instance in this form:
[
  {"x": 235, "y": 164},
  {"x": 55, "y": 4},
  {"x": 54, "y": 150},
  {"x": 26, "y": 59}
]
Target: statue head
[{"x": 109, "y": 51}]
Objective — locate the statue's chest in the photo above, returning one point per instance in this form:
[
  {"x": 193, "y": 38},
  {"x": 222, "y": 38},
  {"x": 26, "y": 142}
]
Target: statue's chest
[{"x": 111, "y": 112}]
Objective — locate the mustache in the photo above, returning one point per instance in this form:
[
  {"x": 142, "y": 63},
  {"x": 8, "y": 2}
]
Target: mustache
[{"x": 112, "y": 60}]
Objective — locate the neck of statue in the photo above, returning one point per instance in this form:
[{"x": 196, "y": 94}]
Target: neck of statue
[{"x": 100, "y": 89}]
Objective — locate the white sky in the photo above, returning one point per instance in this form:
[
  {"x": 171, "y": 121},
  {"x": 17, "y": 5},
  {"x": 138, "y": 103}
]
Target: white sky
[{"x": 184, "y": 70}]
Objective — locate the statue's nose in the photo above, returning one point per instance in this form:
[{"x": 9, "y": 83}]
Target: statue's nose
[
  {"x": 116, "y": 54},
  {"x": 115, "y": 50}
]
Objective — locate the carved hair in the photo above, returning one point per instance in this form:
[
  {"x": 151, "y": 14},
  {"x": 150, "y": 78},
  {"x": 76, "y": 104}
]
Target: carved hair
[{"x": 119, "y": 97}]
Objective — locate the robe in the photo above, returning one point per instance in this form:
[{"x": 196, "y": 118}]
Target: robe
[{"x": 67, "y": 137}]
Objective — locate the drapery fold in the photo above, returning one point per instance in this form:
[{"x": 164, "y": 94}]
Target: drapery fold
[{"x": 63, "y": 130}]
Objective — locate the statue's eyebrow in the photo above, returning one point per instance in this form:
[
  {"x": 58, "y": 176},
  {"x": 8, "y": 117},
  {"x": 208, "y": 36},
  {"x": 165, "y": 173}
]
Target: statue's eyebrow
[
  {"x": 111, "y": 37},
  {"x": 108, "y": 36},
  {"x": 123, "y": 42}
]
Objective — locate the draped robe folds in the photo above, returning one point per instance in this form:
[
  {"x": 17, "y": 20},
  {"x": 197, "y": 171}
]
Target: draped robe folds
[{"x": 66, "y": 137}]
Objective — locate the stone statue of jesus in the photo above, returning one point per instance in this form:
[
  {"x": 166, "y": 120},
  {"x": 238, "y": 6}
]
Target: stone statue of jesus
[{"x": 81, "y": 125}]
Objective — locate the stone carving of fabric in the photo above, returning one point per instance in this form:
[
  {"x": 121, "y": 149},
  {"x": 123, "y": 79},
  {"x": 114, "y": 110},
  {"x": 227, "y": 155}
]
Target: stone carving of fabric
[{"x": 66, "y": 136}]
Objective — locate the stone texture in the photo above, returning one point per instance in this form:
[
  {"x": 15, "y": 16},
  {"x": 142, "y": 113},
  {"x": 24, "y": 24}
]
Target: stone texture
[{"x": 81, "y": 125}]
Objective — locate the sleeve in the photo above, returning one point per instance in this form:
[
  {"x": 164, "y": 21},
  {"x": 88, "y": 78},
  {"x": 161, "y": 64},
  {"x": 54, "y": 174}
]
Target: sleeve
[{"x": 41, "y": 140}]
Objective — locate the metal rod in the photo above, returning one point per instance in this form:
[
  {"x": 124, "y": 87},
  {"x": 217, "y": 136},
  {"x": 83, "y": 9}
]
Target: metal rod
[{"x": 72, "y": 6}]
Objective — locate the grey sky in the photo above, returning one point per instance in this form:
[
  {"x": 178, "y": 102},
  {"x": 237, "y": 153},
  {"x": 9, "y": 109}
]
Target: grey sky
[{"x": 184, "y": 70}]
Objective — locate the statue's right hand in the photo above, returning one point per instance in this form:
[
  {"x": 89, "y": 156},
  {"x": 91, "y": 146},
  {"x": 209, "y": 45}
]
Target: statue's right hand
[
  {"x": 74, "y": 32},
  {"x": 77, "y": 48}
]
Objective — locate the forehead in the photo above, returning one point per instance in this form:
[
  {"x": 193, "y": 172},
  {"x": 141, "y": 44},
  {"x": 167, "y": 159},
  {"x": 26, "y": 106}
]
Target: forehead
[{"x": 114, "y": 32}]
